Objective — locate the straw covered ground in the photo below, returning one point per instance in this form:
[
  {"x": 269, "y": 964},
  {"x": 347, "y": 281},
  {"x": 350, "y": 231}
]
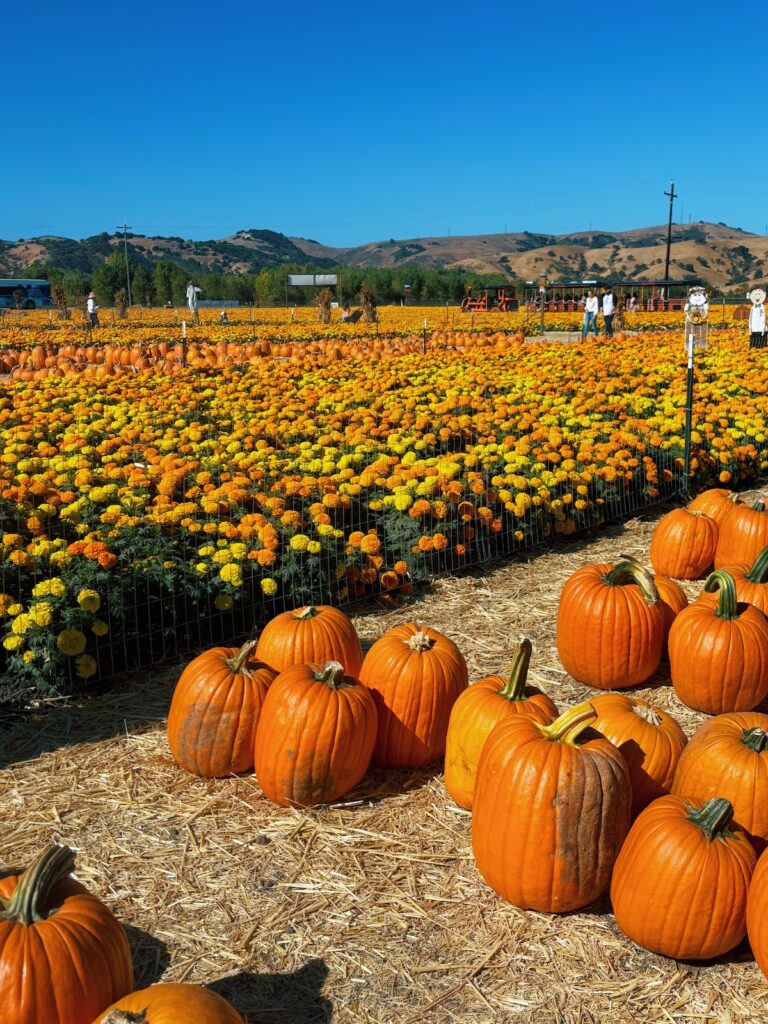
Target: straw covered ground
[{"x": 368, "y": 911}]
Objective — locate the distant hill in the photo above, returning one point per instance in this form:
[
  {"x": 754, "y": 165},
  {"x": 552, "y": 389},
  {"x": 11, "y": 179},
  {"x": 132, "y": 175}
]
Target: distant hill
[{"x": 722, "y": 255}]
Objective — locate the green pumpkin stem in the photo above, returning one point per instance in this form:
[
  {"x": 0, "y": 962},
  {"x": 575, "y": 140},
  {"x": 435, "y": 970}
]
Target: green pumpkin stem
[
  {"x": 757, "y": 573},
  {"x": 759, "y": 505},
  {"x": 755, "y": 739},
  {"x": 236, "y": 664},
  {"x": 630, "y": 571},
  {"x": 514, "y": 689},
  {"x": 29, "y": 903},
  {"x": 307, "y": 613},
  {"x": 569, "y": 726},
  {"x": 727, "y": 606},
  {"x": 332, "y": 674},
  {"x": 713, "y": 818}
]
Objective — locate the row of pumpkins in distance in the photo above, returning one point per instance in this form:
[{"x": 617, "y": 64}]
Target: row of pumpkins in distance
[{"x": 609, "y": 794}]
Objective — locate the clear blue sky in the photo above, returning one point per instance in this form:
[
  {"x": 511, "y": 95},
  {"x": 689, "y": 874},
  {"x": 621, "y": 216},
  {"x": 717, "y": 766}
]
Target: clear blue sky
[{"x": 349, "y": 122}]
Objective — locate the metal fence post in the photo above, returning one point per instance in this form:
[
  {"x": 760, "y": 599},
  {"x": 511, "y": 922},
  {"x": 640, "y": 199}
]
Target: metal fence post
[{"x": 687, "y": 489}]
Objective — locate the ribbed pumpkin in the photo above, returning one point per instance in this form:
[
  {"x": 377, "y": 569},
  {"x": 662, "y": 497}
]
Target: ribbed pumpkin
[
  {"x": 683, "y": 544},
  {"x": 680, "y": 883},
  {"x": 315, "y": 736},
  {"x": 718, "y": 656},
  {"x": 551, "y": 810},
  {"x": 215, "y": 710},
  {"x": 672, "y": 600},
  {"x": 743, "y": 535},
  {"x": 650, "y": 739},
  {"x": 717, "y": 503},
  {"x": 63, "y": 954},
  {"x": 610, "y": 629},
  {"x": 751, "y": 584},
  {"x": 728, "y": 756},
  {"x": 171, "y": 1004},
  {"x": 415, "y": 674},
  {"x": 477, "y": 712},
  {"x": 757, "y": 913},
  {"x": 311, "y": 635}
]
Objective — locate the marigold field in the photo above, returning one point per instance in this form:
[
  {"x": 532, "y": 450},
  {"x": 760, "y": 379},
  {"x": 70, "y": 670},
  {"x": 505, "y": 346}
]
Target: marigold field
[{"x": 148, "y": 506}]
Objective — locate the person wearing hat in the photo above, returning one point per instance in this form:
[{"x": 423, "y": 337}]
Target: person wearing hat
[
  {"x": 757, "y": 318},
  {"x": 93, "y": 310}
]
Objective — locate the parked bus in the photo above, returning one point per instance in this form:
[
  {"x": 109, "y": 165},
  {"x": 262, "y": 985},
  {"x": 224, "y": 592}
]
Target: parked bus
[{"x": 31, "y": 293}]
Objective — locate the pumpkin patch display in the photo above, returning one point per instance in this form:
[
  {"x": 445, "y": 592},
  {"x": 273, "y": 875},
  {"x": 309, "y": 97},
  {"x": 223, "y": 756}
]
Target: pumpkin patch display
[
  {"x": 728, "y": 756},
  {"x": 683, "y": 544},
  {"x": 743, "y": 535},
  {"x": 315, "y": 735},
  {"x": 718, "y": 655},
  {"x": 681, "y": 879},
  {"x": 610, "y": 628},
  {"x": 551, "y": 810},
  {"x": 477, "y": 712},
  {"x": 171, "y": 1004},
  {"x": 311, "y": 635},
  {"x": 415, "y": 675},
  {"x": 650, "y": 739},
  {"x": 215, "y": 710},
  {"x": 63, "y": 954}
]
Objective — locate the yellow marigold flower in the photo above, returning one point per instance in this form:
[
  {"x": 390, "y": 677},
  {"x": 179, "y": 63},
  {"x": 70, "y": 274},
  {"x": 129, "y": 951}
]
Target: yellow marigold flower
[
  {"x": 201, "y": 568},
  {"x": 99, "y": 627},
  {"x": 86, "y": 666},
  {"x": 53, "y": 587},
  {"x": 299, "y": 542},
  {"x": 21, "y": 624},
  {"x": 41, "y": 613},
  {"x": 238, "y": 551},
  {"x": 71, "y": 642},
  {"x": 6, "y": 602},
  {"x": 206, "y": 550},
  {"x": 16, "y": 609},
  {"x": 232, "y": 574},
  {"x": 28, "y": 657},
  {"x": 222, "y": 557},
  {"x": 12, "y": 643},
  {"x": 314, "y": 547},
  {"x": 89, "y": 601},
  {"x": 268, "y": 586}
]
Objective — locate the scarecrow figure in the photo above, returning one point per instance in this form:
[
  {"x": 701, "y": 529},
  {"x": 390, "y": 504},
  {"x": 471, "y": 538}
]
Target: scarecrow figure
[
  {"x": 757, "y": 318},
  {"x": 696, "y": 312}
]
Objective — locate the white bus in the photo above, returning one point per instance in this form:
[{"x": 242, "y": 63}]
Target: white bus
[{"x": 31, "y": 292}]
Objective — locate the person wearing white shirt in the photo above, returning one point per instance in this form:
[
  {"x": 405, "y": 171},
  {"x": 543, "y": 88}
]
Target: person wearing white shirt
[
  {"x": 590, "y": 314},
  {"x": 192, "y": 292},
  {"x": 757, "y": 320},
  {"x": 92, "y": 310},
  {"x": 609, "y": 309}
]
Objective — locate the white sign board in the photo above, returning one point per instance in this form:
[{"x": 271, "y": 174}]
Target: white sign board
[{"x": 298, "y": 280}]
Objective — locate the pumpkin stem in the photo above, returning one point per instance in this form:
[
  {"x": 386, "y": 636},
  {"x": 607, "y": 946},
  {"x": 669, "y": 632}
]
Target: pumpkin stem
[
  {"x": 236, "y": 664},
  {"x": 713, "y": 818},
  {"x": 421, "y": 642},
  {"x": 755, "y": 739},
  {"x": 759, "y": 505},
  {"x": 125, "y": 1017},
  {"x": 332, "y": 674},
  {"x": 648, "y": 714},
  {"x": 727, "y": 607},
  {"x": 569, "y": 726},
  {"x": 757, "y": 573},
  {"x": 29, "y": 903},
  {"x": 630, "y": 571},
  {"x": 514, "y": 689},
  {"x": 308, "y": 613}
]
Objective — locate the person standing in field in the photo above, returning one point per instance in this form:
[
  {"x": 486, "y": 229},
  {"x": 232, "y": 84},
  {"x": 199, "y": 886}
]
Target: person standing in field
[
  {"x": 92, "y": 310},
  {"x": 590, "y": 314},
  {"x": 757, "y": 319},
  {"x": 609, "y": 309},
  {"x": 192, "y": 292}
]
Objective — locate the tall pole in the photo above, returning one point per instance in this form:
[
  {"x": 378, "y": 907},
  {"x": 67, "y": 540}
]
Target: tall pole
[
  {"x": 125, "y": 228},
  {"x": 672, "y": 197}
]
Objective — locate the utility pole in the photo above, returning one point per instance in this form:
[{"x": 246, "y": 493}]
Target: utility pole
[
  {"x": 672, "y": 197},
  {"x": 125, "y": 228}
]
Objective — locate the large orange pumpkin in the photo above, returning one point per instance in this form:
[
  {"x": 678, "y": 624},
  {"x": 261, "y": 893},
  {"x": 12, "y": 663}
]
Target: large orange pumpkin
[
  {"x": 718, "y": 656},
  {"x": 743, "y": 535},
  {"x": 757, "y": 913},
  {"x": 215, "y": 710},
  {"x": 477, "y": 712},
  {"x": 650, "y": 739},
  {"x": 415, "y": 674},
  {"x": 717, "y": 503},
  {"x": 171, "y": 1004},
  {"x": 728, "y": 756},
  {"x": 315, "y": 736},
  {"x": 610, "y": 628},
  {"x": 551, "y": 809},
  {"x": 683, "y": 544},
  {"x": 311, "y": 635},
  {"x": 680, "y": 883},
  {"x": 63, "y": 954}
]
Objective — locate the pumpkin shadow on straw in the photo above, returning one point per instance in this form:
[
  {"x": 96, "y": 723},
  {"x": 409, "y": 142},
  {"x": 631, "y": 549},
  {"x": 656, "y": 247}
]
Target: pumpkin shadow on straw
[
  {"x": 150, "y": 956},
  {"x": 295, "y": 997},
  {"x": 381, "y": 783}
]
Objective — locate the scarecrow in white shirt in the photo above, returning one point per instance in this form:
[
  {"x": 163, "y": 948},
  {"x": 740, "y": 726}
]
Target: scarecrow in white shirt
[{"x": 757, "y": 318}]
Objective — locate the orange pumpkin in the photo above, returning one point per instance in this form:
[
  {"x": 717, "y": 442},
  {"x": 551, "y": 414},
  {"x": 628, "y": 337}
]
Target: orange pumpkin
[
  {"x": 415, "y": 675},
  {"x": 63, "y": 954},
  {"x": 215, "y": 710},
  {"x": 610, "y": 628},
  {"x": 551, "y": 810},
  {"x": 757, "y": 913},
  {"x": 311, "y": 635},
  {"x": 717, "y": 503},
  {"x": 672, "y": 600},
  {"x": 751, "y": 585},
  {"x": 170, "y": 1004},
  {"x": 315, "y": 736},
  {"x": 728, "y": 756},
  {"x": 681, "y": 880},
  {"x": 650, "y": 739},
  {"x": 743, "y": 535},
  {"x": 718, "y": 656},
  {"x": 683, "y": 544},
  {"x": 477, "y": 712}
]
